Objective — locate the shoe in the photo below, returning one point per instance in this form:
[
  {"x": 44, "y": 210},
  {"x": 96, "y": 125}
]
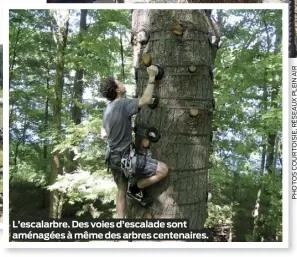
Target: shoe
[{"x": 141, "y": 197}]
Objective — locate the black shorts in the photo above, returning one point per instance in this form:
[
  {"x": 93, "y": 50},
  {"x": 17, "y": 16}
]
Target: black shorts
[{"x": 146, "y": 167}]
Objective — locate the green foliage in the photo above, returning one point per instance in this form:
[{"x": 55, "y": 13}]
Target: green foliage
[
  {"x": 33, "y": 56},
  {"x": 25, "y": 173},
  {"x": 248, "y": 109},
  {"x": 219, "y": 215},
  {"x": 86, "y": 187}
]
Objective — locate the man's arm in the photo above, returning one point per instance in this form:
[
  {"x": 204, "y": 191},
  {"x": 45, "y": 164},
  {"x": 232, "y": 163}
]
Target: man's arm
[{"x": 149, "y": 90}]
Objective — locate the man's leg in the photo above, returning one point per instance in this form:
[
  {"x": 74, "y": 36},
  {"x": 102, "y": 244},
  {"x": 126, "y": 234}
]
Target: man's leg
[
  {"x": 122, "y": 184},
  {"x": 121, "y": 199},
  {"x": 161, "y": 173},
  {"x": 148, "y": 171}
]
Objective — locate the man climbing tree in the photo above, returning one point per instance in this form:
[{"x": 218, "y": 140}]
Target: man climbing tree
[
  {"x": 126, "y": 164},
  {"x": 184, "y": 43}
]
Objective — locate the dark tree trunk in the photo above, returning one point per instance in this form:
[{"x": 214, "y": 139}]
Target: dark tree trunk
[
  {"x": 78, "y": 81},
  {"x": 77, "y": 90},
  {"x": 185, "y": 141}
]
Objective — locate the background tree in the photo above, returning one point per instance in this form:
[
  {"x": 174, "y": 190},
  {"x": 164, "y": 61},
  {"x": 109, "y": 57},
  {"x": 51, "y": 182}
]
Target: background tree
[{"x": 60, "y": 27}]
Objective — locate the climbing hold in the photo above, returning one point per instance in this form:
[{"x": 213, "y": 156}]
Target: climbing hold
[
  {"x": 213, "y": 104},
  {"x": 194, "y": 112},
  {"x": 146, "y": 59},
  {"x": 220, "y": 44},
  {"x": 177, "y": 29},
  {"x": 142, "y": 37},
  {"x": 211, "y": 73},
  {"x": 145, "y": 143},
  {"x": 213, "y": 40},
  {"x": 160, "y": 72},
  {"x": 192, "y": 68},
  {"x": 153, "y": 134},
  {"x": 154, "y": 103}
]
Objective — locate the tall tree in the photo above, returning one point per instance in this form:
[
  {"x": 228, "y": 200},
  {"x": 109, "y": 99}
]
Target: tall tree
[
  {"x": 79, "y": 73},
  {"x": 60, "y": 26},
  {"x": 184, "y": 114},
  {"x": 76, "y": 109}
]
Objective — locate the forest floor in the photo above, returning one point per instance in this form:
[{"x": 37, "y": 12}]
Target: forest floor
[{"x": 27, "y": 202}]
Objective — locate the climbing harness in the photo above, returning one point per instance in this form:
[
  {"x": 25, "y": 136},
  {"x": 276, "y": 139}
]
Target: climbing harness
[
  {"x": 126, "y": 163},
  {"x": 120, "y": 160}
]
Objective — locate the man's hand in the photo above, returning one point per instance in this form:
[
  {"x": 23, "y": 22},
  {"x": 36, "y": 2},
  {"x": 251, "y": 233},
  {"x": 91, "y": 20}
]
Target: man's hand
[
  {"x": 153, "y": 72},
  {"x": 103, "y": 133}
]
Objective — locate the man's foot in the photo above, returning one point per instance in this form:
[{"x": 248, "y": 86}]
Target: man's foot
[{"x": 139, "y": 195}]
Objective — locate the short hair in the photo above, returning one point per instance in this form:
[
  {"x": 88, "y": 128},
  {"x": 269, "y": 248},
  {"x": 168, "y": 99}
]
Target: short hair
[{"x": 108, "y": 88}]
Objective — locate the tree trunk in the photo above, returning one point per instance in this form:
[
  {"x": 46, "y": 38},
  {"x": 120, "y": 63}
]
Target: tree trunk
[
  {"x": 122, "y": 57},
  {"x": 20, "y": 141},
  {"x": 78, "y": 81},
  {"x": 11, "y": 69},
  {"x": 185, "y": 141},
  {"x": 46, "y": 116},
  {"x": 274, "y": 94},
  {"x": 256, "y": 215},
  {"x": 76, "y": 113},
  {"x": 60, "y": 24}
]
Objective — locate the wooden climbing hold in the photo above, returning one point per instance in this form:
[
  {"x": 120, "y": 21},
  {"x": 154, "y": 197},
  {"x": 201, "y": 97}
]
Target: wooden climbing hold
[
  {"x": 154, "y": 103},
  {"x": 211, "y": 70},
  {"x": 194, "y": 112},
  {"x": 192, "y": 68},
  {"x": 160, "y": 72},
  {"x": 146, "y": 59},
  {"x": 142, "y": 37},
  {"x": 177, "y": 29}
]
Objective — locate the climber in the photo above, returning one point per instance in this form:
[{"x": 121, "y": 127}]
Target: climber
[{"x": 117, "y": 130}]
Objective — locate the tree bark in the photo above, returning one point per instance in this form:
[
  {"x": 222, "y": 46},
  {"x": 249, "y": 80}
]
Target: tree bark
[
  {"x": 46, "y": 116},
  {"x": 185, "y": 141},
  {"x": 274, "y": 93},
  {"x": 78, "y": 81},
  {"x": 60, "y": 24},
  {"x": 20, "y": 141},
  {"x": 77, "y": 90}
]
